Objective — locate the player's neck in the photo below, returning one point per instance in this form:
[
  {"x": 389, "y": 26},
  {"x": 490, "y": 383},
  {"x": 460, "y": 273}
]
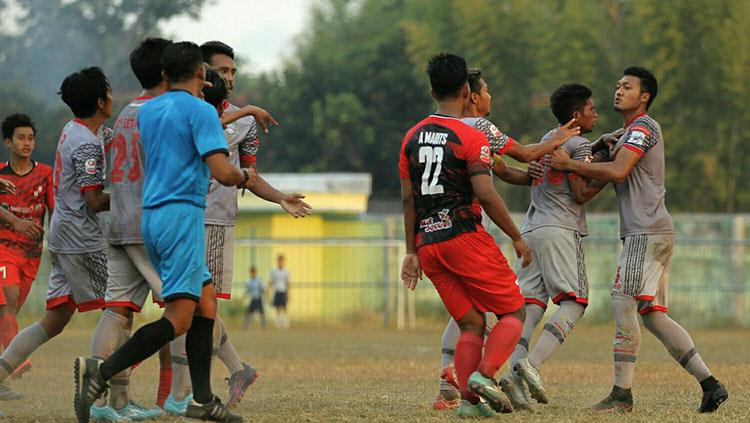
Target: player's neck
[
  {"x": 629, "y": 116},
  {"x": 190, "y": 86},
  {"x": 450, "y": 108},
  {"x": 21, "y": 165},
  {"x": 155, "y": 92},
  {"x": 94, "y": 122}
]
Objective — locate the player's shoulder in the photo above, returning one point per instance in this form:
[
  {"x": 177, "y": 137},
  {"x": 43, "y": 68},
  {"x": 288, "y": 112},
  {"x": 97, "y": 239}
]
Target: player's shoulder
[
  {"x": 576, "y": 141},
  {"x": 645, "y": 123},
  {"x": 43, "y": 168},
  {"x": 77, "y": 132}
]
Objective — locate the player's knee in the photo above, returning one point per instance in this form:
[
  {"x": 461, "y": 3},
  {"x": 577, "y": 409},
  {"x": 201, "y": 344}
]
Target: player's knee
[
  {"x": 623, "y": 304},
  {"x": 652, "y": 320},
  {"x": 472, "y": 321}
]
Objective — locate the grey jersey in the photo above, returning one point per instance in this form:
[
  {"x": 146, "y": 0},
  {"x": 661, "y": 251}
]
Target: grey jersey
[
  {"x": 641, "y": 196},
  {"x": 125, "y": 158},
  {"x": 499, "y": 142},
  {"x": 79, "y": 167},
  {"x": 242, "y": 142},
  {"x": 280, "y": 280},
  {"x": 552, "y": 200}
]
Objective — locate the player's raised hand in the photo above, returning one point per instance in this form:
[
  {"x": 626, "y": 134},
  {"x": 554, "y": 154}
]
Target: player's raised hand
[
  {"x": 560, "y": 160},
  {"x": 522, "y": 251},
  {"x": 293, "y": 204},
  {"x": 7, "y": 187},
  {"x": 566, "y": 131},
  {"x": 411, "y": 271},
  {"x": 29, "y": 229},
  {"x": 611, "y": 138},
  {"x": 262, "y": 117},
  {"x": 535, "y": 170}
]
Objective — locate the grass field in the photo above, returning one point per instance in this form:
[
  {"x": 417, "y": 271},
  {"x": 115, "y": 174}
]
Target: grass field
[{"x": 360, "y": 374}]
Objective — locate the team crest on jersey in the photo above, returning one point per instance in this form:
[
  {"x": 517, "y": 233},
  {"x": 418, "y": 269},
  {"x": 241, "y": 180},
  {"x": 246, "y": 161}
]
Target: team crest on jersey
[
  {"x": 485, "y": 154},
  {"x": 496, "y": 132},
  {"x": 90, "y": 166},
  {"x": 38, "y": 191},
  {"x": 231, "y": 129},
  {"x": 637, "y": 138},
  {"x": 443, "y": 222}
]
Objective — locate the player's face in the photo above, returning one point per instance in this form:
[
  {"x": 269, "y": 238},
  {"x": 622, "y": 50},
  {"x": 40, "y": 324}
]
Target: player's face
[
  {"x": 225, "y": 66},
  {"x": 587, "y": 119},
  {"x": 484, "y": 104},
  {"x": 105, "y": 106},
  {"x": 22, "y": 143},
  {"x": 628, "y": 94}
]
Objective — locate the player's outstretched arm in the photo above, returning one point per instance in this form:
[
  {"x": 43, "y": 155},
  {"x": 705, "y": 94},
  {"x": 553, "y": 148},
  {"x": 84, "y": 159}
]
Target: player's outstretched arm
[
  {"x": 527, "y": 153},
  {"x": 96, "y": 200},
  {"x": 29, "y": 229},
  {"x": 495, "y": 208},
  {"x": 606, "y": 140},
  {"x": 411, "y": 270},
  {"x": 291, "y": 203},
  {"x": 509, "y": 174},
  {"x": 584, "y": 189},
  {"x": 616, "y": 171},
  {"x": 262, "y": 117}
]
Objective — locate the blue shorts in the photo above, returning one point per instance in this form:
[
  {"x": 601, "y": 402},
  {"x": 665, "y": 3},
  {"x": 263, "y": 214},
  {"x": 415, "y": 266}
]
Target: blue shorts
[{"x": 174, "y": 238}]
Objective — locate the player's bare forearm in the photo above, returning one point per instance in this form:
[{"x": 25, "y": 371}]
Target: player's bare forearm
[
  {"x": 410, "y": 216},
  {"x": 494, "y": 206},
  {"x": 230, "y": 117},
  {"x": 509, "y": 174},
  {"x": 223, "y": 171},
  {"x": 527, "y": 153},
  {"x": 7, "y": 217},
  {"x": 96, "y": 200},
  {"x": 266, "y": 191},
  {"x": 584, "y": 189},
  {"x": 615, "y": 171}
]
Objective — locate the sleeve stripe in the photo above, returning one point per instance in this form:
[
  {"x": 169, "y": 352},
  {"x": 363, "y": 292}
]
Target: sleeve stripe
[
  {"x": 212, "y": 152},
  {"x": 91, "y": 187},
  {"x": 641, "y": 128},
  {"x": 634, "y": 149},
  {"x": 506, "y": 147},
  {"x": 250, "y": 159}
]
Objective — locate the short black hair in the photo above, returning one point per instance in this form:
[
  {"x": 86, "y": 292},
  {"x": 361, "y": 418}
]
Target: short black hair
[
  {"x": 448, "y": 74},
  {"x": 217, "y": 94},
  {"x": 474, "y": 76},
  {"x": 82, "y": 90},
  {"x": 181, "y": 60},
  {"x": 16, "y": 120},
  {"x": 211, "y": 48},
  {"x": 568, "y": 98},
  {"x": 145, "y": 61},
  {"x": 648, "y": 81}
]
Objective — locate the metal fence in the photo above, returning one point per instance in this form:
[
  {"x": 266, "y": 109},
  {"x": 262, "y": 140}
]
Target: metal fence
[{"x": 356, "y": 280}]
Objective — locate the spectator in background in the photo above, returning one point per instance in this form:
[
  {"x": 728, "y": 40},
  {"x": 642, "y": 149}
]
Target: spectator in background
[
  {"x": 255, "y": 289},
  {"x": 280, "y": 283}
]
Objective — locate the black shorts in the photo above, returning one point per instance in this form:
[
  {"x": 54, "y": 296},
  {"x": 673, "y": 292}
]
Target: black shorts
[
  {"x": 256, "y": 304},
  {"x": 279, "y": 299}
]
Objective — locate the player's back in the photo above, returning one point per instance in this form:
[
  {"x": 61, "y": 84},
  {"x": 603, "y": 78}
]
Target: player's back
[
  {"x": 79, "y": 167},
  {"x": 439, "y": 156},
  {"x": 552, "y": 200},
  {"x": 125, "y": 158},
  {"x": 178, "y": 132}
]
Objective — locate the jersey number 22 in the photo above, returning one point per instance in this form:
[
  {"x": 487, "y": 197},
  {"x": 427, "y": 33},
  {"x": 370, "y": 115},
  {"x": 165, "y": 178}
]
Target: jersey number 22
[{"x": 430, "y": 156}]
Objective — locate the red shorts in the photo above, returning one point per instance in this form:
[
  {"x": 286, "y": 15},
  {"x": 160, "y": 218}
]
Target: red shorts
[
  {"x": 20, "y": 271},
  {"x": 470, "y": 271}
]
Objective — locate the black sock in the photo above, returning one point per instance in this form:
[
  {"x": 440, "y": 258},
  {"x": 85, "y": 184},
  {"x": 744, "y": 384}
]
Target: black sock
[
  {"x": 199, "y": 346},
  {"x": 144, "y": 343},
  {"x": 621, "y": 394},
  {"x": 708, "y": 383}
]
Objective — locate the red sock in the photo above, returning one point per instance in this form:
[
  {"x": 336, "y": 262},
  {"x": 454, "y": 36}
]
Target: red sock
[
  {"x": 500, "y": 344},
  {"x": 9, "y": 331},
  {"x": 467, "y": 357},
  {"x": 165, "y": 385}
]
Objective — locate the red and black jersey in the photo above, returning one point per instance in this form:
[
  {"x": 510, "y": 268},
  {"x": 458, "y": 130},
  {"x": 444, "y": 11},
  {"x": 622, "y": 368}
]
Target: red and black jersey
[
  {"x": 33, "y": 197},
  {"x": 439, "y": 155}
]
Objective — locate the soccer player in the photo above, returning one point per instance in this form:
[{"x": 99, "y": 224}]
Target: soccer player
[
  {"x": 221, "y": 215},
  {"x": 21, "y": 236},
  {"x": 76, "y": 239},
  {"x": 635, "y": 164},
  {"x": 280, "y": 282},
  {"x": 445, "y": 176},
  {"x": 553, "y": 228},
  {"x": 256, "y": 290},
  {"x": 184, "y": 144},
  {"x": 131, "y": 274},
  {"x": 479, "y": 106}
]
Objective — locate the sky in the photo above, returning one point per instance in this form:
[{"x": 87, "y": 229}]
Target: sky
[{"x": 262, "y": 32}]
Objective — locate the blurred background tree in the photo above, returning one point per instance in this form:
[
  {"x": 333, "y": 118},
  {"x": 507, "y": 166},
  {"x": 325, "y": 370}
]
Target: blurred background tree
[{"x": 356, "y": 82}]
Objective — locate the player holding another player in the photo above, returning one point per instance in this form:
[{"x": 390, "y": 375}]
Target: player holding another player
[
  {"x": 21, "y": 232},
  {"x": 174, "y": 191},
  {"x": 445, "y": 175},
  {"x": 131, "y": 276},
  {"x": 635, "y": 164},
  {"x": 76, "y": 239},
  {"x": 553, "y": 228},
  {"x": 479, "y": 106}
]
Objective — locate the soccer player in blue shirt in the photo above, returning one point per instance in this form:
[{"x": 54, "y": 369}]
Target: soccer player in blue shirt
[{"x": 184, "y": 144}]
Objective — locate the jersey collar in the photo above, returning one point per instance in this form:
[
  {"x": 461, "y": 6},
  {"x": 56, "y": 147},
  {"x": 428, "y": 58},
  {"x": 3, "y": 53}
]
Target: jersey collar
[{"x": 634, "y": 118}]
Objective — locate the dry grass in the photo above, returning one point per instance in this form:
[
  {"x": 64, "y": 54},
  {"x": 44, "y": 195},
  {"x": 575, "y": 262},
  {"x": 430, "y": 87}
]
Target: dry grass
[{"x": 322, "y": 375}]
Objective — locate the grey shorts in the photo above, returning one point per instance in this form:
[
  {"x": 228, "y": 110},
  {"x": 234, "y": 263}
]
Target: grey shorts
[
  {"x": 78, "y": 280},
  {"x": 557, "y": 271},
  {"x": 643, "y": 271},
  {"x": 131, "y": 277},
  {"x": 219, "y": 258}
]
